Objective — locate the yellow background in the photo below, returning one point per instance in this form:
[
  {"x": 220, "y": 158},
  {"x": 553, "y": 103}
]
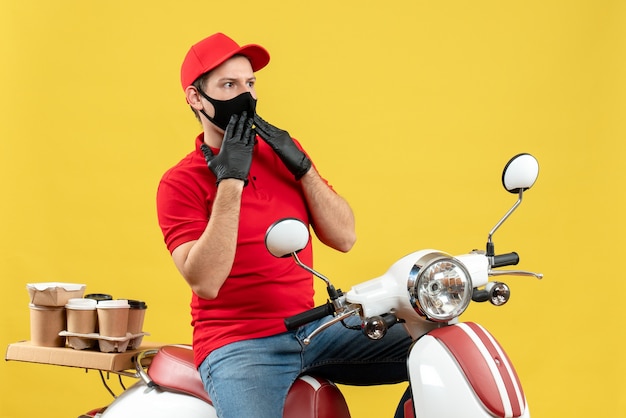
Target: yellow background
[{"x": 410, "y": 108}]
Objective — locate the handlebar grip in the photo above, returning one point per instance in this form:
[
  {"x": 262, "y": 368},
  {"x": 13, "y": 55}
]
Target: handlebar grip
[
  {"x": 311, "y": 315},
  {"x": 509, "y": 259}
]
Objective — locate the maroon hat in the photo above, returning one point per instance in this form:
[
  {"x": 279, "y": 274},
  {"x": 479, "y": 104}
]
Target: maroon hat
[{"x": 215, "y": 50}]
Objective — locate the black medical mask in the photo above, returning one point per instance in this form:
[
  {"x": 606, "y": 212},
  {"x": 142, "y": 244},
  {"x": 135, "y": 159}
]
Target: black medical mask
[{"x": 224, "y": 109}]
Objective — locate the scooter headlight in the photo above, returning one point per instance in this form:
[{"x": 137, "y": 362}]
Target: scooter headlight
[{"x": 440, "y": 287}]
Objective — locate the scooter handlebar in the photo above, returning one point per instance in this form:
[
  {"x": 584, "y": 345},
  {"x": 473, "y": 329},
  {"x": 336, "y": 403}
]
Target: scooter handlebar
[
  {"x": 509, "y": 259},
  {"x": 319, "y": 312}
]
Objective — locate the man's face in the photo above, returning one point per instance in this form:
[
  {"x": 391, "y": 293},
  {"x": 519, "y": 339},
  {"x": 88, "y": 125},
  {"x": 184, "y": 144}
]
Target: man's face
[{"x": 230, "y": 79}]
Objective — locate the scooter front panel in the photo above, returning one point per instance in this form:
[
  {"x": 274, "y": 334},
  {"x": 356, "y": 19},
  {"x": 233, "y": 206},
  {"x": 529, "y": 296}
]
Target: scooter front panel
[
  {"x": 467, "y": 353},
  {"x": 486, "y": 366},
  {"x": 438, "y": 385}
]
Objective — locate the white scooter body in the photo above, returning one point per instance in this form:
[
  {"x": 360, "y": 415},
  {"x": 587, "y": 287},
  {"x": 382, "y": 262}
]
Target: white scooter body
[
  {"x": 461, "y": 371},
  {"x": 454, "y": 370},
  {"x": 141, "y": 401}
]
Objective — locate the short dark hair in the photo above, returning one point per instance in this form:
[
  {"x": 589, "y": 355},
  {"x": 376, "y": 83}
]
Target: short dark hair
[{"x": 199, "y": 85}]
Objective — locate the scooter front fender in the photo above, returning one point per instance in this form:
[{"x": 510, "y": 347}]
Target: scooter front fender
[
  {"x": 141, "y": 401},
  {"x": 462, "y": 371}
]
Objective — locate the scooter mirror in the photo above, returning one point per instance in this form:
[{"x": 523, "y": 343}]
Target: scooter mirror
[
  {"x": 520, "y": 173},
  {"x": 286, "y": 236}
]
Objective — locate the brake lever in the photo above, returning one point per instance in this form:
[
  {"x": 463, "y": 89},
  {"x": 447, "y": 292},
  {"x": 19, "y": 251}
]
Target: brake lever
[
  {"x": 515, "y": 273},
  {"x": 338, "y": 318}
]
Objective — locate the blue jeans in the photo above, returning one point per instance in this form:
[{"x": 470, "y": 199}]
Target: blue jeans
[{"x": 251, "y": 378}]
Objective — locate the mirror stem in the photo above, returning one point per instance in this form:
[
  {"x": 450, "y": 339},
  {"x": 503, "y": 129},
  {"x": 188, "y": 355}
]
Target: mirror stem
[
  {"x": 309, "y": 269},
  {"x": 332, "y": 292},
  {"x": 490, "y": 246}
]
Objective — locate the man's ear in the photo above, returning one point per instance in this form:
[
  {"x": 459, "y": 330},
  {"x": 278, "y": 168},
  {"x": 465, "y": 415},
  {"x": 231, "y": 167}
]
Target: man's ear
[{"x": 193, "y": 97}]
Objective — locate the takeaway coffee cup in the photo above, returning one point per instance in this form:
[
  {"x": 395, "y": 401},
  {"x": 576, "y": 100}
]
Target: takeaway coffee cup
[
  {"x": 46, "y": 322},
  {"x": 136, "y": 315},
  {"x": 113, "y": 317},
  {"x": 81, "y": 316},
  {"x": 98, "y": 297}
]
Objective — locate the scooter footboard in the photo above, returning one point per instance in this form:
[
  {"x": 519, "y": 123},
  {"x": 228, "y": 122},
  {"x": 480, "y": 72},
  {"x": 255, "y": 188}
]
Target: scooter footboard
[{"x": 461, "y": 370}]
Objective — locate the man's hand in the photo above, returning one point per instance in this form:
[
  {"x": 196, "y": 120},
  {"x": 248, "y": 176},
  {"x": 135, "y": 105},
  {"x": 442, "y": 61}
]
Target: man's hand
[
  {"x": 235, "y": 156},
  {"x": 294, "y": 159}
]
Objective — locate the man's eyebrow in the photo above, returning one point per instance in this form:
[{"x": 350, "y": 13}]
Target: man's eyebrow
[{"x": 229, "y": 78}]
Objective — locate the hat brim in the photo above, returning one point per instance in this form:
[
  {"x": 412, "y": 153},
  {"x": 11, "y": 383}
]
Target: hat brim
[{"x": 258, "y": 56}]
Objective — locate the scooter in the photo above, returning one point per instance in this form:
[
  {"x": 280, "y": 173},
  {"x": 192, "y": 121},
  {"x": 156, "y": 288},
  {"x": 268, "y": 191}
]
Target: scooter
[{"x": 456, "y": 369}]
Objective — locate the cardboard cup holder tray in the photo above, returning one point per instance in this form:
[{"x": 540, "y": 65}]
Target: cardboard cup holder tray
[{"x": 105, "y": 344}]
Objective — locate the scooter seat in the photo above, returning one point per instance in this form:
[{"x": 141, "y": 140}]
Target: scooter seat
[{"x": 173, "y": 368}]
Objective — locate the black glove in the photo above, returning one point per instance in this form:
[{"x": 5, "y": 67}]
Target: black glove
[
  {"x": 281, "y": 142},
  {"x": 234, "y": 159}
]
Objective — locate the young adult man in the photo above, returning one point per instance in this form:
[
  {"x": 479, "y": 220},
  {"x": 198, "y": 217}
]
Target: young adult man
[{"x": 214, "y": 208}]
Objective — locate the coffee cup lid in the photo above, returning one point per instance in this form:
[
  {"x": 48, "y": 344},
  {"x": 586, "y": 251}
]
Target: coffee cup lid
[
  {"x": 99, "y": 296},
  {"x": 137, "y": 304},
  {"x": 81, "y": 304},
  {"x": 113, "y": 304}
]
